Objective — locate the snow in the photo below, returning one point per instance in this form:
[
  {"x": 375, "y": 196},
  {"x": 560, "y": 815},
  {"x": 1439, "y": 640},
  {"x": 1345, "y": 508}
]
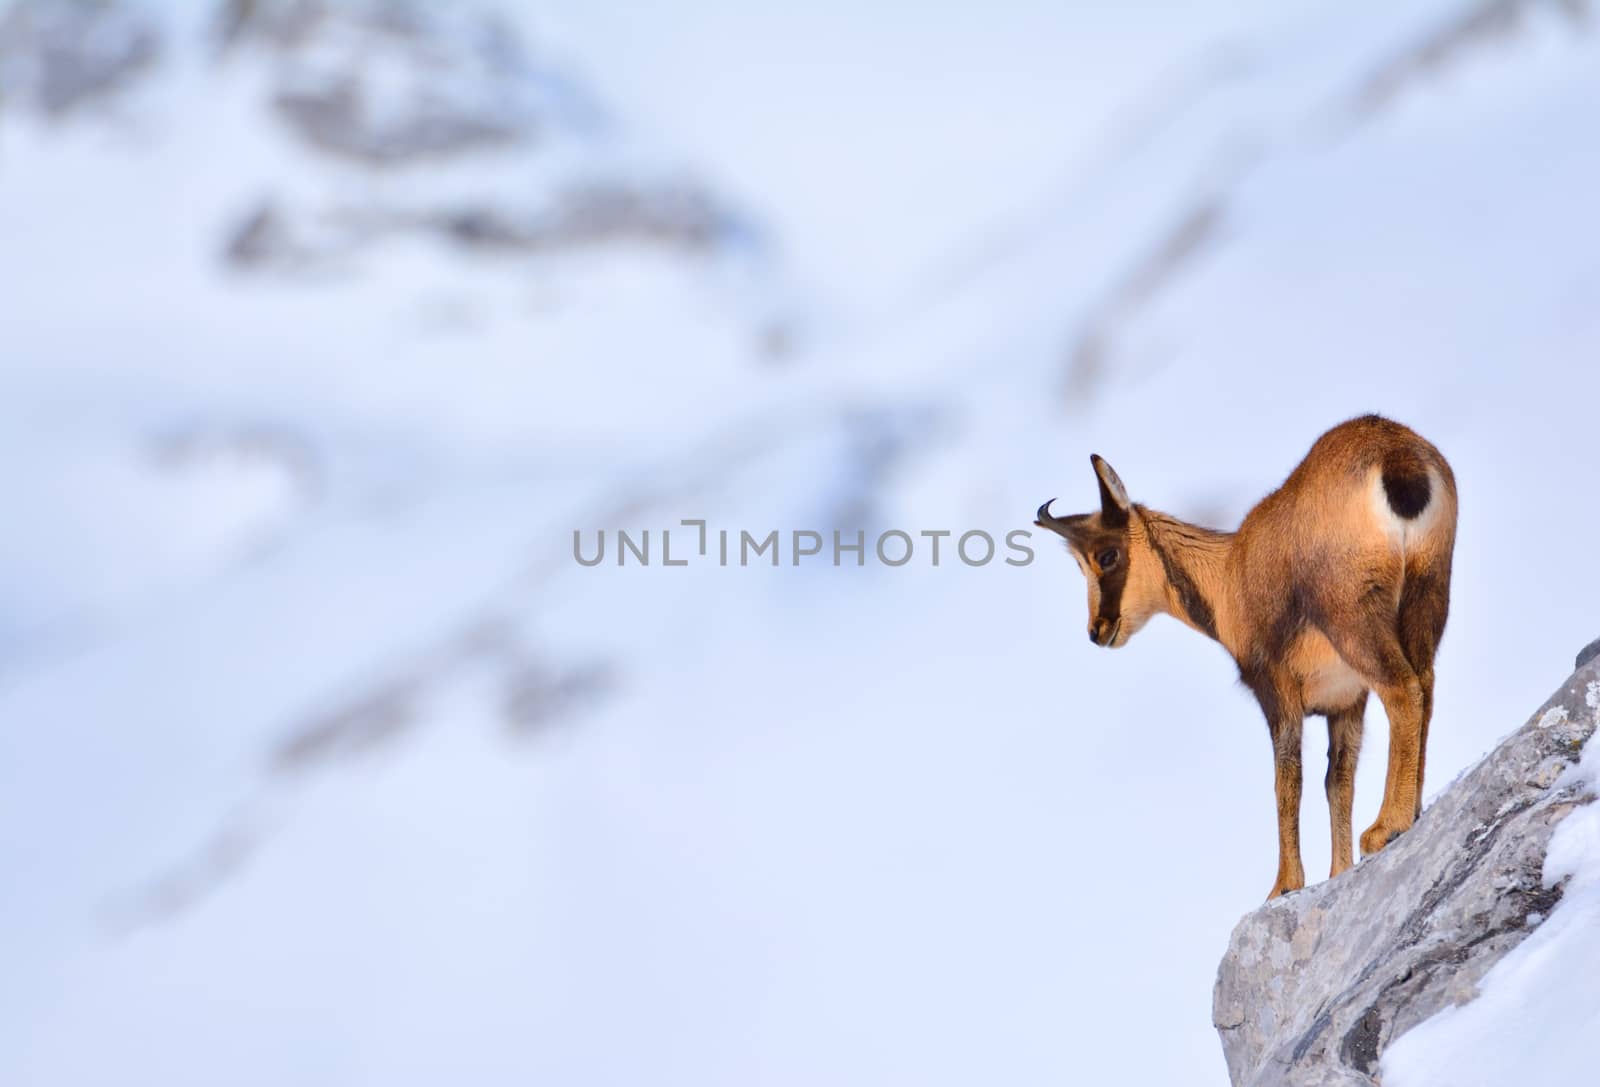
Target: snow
[
  {"x": 808, "y": 824},
  {"x": 888, "y": 145},
  {"x": 1538, "y": 1008}
]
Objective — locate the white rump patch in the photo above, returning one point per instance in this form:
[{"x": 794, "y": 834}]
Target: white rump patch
[{"x": 1400, "y": 531}]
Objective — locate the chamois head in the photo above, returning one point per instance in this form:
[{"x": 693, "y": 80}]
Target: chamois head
[{"x": 1125, "y": 580}]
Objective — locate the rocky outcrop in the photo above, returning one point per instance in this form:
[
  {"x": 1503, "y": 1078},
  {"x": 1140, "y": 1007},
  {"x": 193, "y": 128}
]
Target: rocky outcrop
[
  {"x": 1588, "y": 653},
  {"x": 391, "y": 87},
  {"x": 1316, "y": 984},
  {"x": 438, "y": 121},
  {"x": 387, "y": 83},
  {"x": 56, "y": 58}
]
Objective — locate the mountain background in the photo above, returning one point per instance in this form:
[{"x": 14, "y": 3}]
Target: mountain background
[{"x": 325, "y": 325}]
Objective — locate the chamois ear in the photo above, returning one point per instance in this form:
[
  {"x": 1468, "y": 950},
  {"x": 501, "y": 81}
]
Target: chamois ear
[{"x": 1114, "y": 504}]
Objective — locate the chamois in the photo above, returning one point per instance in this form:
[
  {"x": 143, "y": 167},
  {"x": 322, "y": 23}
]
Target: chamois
[{"x": 1334, "y": 585}]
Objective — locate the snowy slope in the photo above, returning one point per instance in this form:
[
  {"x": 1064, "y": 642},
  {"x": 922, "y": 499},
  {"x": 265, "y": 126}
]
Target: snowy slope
[
  {"x": 321, "y": 760},
  {"x": 1539, "y": 1008},
  {"x": 373, "y": 366}
]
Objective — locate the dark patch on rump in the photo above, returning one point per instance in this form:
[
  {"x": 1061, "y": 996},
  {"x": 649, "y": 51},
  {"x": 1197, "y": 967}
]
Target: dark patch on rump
[{"x": 1406, "y": 484}]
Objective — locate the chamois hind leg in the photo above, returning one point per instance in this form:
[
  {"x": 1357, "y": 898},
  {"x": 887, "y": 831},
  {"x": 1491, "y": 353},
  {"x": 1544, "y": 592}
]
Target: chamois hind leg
[
  {"x": 1402, "y": 702},
  {"x": 1424, "y": 606},
  {"x": 1426, "y": 680},
  {"x": 1372, "y": 648},
  {"x": 1344, "y": 749}
]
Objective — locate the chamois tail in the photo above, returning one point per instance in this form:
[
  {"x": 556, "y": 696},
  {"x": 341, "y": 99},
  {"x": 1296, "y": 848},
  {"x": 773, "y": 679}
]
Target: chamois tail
[{"x": 1407, "y": 483}]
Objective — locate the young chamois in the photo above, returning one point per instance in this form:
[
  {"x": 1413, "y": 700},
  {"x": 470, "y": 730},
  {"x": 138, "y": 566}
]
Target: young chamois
[{"x": 1336, "y": 584}]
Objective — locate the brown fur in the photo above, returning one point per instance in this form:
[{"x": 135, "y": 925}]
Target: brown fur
[{"x": 1336, "y": 584}]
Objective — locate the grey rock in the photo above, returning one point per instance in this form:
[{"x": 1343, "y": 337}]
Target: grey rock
[
  {"x": 599, "y": 211},
  {"x": 338, "y": 116},
  {"x": 670, "y": 214},
  {"x": 1588, "y": 653},
  {"x": 400, "y": 86},
  {"x": 1317, "y": 983},
  {"x": 283, "y": 24},
  {"x": 57, "y": 56},
  {"x": 388, "y": 83},
  {"x": 261, "y": 237}
]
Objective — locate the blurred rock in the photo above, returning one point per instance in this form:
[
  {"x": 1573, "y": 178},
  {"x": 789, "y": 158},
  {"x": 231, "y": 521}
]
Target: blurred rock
[
  {"x": 284, "y": 24},
  {"x": 57, "y": 56},
  {"x": 1316, "y": 984},
  {"x": 387, "y": 82},
  {"x": 391, "y": 86},
  {"x": 339, "y": 116},
  {"x": 538, "y": 696},
  {"x": 604, "y": 210},
  {"x": 1457, "y": 36},
  {"x": 1097, "y": 344},
  {"x": 597, "y": 212},
  {"x": 261, "y": 237}
]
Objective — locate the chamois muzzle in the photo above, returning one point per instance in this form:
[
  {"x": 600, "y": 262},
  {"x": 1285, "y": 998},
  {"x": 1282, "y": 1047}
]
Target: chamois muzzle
[{"x": 1104, "y": 631}]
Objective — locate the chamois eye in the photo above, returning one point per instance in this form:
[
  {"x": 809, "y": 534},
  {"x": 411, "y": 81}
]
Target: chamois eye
[{"x": 1107, "y": 558}]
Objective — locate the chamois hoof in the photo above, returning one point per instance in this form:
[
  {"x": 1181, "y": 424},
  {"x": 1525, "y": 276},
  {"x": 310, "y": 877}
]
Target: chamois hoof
[
  {"x": 1284, "y": 887},
  {"x": 1377, "y": 836}
]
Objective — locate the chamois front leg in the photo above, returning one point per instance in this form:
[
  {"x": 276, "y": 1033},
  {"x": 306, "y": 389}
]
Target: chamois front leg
[
  {"x": 1286, "y": 784},
  {"x": 1285, "y": 720},
  {"x": 1344, "y": 749}
]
